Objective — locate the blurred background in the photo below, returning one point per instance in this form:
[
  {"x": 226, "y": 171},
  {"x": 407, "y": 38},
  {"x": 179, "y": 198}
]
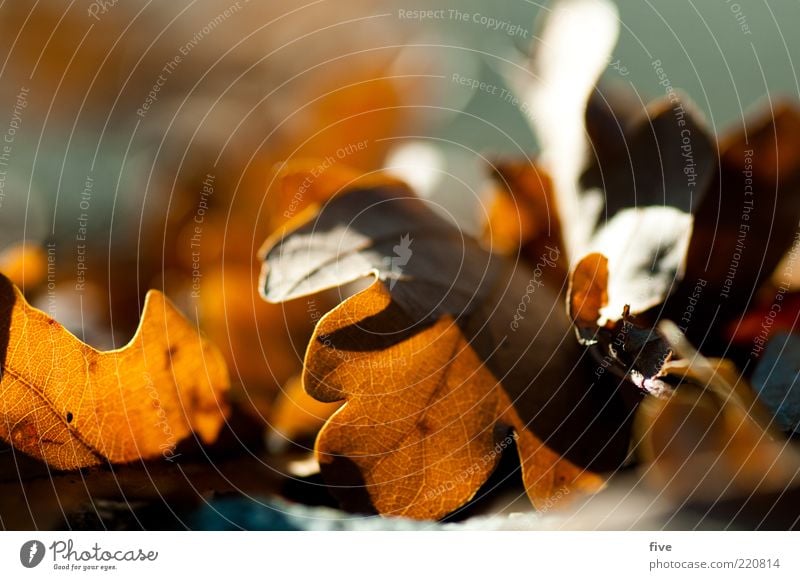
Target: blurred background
[{"x": 140, "y": 138}]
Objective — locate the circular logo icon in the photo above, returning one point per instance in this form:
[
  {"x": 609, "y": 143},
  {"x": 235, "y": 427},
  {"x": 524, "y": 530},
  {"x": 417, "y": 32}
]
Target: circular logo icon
[{"x": 31, "y": 553}]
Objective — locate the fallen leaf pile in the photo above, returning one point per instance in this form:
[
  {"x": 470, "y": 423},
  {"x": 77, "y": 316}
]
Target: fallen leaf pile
[{"x": 627, "y": 304}]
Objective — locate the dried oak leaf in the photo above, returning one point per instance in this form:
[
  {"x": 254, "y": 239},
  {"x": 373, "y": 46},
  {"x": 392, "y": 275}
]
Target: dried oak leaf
[
  {"x": 432, "y": 371},
  {"x": 72, "y": 406},
  {"x": 658, "y": 155}
]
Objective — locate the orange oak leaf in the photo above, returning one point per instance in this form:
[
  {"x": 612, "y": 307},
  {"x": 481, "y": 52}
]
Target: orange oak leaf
[
  {"x": 72, "y": 406},
  {"x": 425, "y": 440},
  {"x": 449, "y": 350}
]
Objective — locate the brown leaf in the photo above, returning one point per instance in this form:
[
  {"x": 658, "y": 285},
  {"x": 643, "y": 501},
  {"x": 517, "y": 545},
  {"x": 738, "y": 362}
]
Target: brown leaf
[
  {"x": 448, "y": 348},
  {"x": 604, "y": 150},
  {"x": 426, "y": 440},
  {"x": 377, "y": 231},
  {"x": 625, "y": 175},
  {"x": 746, "y": 222},
  {"x": 72, "y": 406},
  {"x": 663, "y": 156}
]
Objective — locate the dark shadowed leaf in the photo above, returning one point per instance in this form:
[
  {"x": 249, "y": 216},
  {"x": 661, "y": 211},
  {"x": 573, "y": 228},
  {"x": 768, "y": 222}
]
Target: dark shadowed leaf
[
  {"x": 748, "y": 219},
  {"x": 662, "y": 156}
]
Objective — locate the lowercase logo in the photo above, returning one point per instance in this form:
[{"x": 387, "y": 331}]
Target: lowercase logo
[{"x": 31, "y": 553}]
